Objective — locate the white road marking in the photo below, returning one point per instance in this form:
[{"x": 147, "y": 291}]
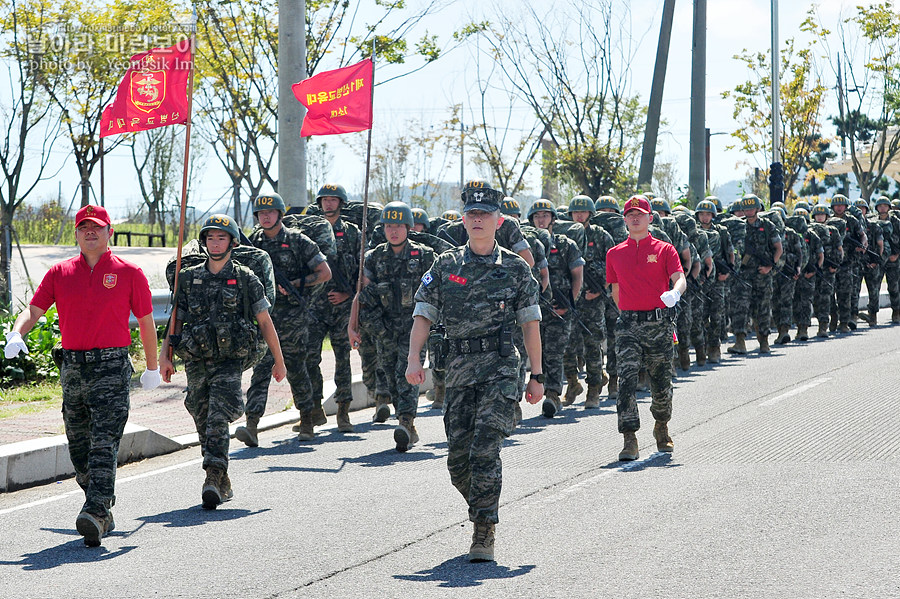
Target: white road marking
[
  {"x": 598, "y": 477},
  {"x": 796, "y": 391}
]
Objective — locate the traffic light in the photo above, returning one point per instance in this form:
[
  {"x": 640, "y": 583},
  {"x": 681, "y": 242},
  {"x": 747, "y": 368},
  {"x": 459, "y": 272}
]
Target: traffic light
[{"x": 776, "y": 182}]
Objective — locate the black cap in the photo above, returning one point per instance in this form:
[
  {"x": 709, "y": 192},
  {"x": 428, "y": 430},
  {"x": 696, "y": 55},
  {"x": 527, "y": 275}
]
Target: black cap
[{"x": 485, "y": 199}]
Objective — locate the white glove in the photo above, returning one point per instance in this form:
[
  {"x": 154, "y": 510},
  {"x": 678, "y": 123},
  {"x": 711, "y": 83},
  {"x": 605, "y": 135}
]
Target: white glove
[
  {"x": 670, "y": 298},
  {"x": 150, "y": 379},
  {"x": 14, "y": 345}
]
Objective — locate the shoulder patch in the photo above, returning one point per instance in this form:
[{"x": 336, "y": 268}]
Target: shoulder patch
[{"x": 427, "y": 279}]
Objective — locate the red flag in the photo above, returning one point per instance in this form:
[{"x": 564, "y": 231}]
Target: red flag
[
  {"x": 338, "y": 101},
  {"x": 153, "y": 92}
]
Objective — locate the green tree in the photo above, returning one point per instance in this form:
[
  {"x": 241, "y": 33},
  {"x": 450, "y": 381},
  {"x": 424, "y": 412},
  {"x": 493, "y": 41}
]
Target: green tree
[{"x": 801, "y": 98}]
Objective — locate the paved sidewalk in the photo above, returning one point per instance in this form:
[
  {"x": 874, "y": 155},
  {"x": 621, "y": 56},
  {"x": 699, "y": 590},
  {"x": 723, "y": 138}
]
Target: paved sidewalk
[{"x": 161, "y": 410}]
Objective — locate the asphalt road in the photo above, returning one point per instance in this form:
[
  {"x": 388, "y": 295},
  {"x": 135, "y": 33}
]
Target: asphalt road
[{"x": 784, "y": 483}]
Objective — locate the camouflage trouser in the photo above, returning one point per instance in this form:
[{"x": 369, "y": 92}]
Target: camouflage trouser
[
  {"x": 699, "y": 318},
  {"x": 393, "y": 349},
  {"x": 824, "y": 296},
  {"x": 292, "y": 326},
  {"x": 214, "y": 401},
  {"x": 783, "y": 300},
  {"x": 477, "y": 418},
  {"x": 330, "y": 320},
  {"x": 612, "y": 315},
  {"x": 685, "y": 319},
  {"x": 873, "y": 277},
  {"x": 754, "y": 302},
  {"x": 804, "y": 290},
  {"x": 709, "y": 317},
  {"x": 554, "y": 339},
  {"x": 95, "y": 409},
  {"x": 643, "y": 345},
  {"x": 857, "y": 287},
  {"x": 593, "y": 315},
  {"x": 843, "y": 285},
  {"x": 368, "y": 356},
  {"x": 892, "y": 274}
]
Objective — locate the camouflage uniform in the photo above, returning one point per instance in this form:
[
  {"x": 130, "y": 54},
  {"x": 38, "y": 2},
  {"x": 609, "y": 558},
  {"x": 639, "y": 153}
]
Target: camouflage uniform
[
  {"x": 214, "y": 344},
  {"x": 796, "y": 256},
  {"x": 711, "y": 315},
  {"x": 755, "y": 302},
  {"x": 832, "y": 245},
  {"x": 387, "y": 304},
  {"x": 873, "y": 275},
  {"x": 892, "y": 269},
  {"x": 536, "y": 239},
  {"x": 737, "y": 230},
  {"x": 332, "y": 320},
  {"x": 295, "y": 255},
  {"x": 95, "y": 409},
  {"x": 614, "y": 224},
  {"x": 592, "y": 312},
  {"x": 647, "y": 345},
  {"x": 847, "y": 274},
  {"x": 562, "y": 257},
  {"x": 805, "y": 287},
  {"x": 475, "y": 297}
]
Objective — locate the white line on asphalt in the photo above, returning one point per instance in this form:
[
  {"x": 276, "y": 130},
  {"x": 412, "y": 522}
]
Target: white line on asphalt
[
  {"x": 794, "y": 392},
  {"x": 45, "y": 500},
  {"x": 597, "y": 477}
]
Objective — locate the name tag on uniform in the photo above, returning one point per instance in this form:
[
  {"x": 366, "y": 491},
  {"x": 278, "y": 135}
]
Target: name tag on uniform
[
  {"x": 762, "y": 228},
  {"x": 339, "y": 234},
  {"x": 458, "y": 279},
  {"x": 414, "y": 252},
  {"x": 232, "y": 281},
  {"x": 285, "y": 245},
  {"x": 554, "y": 250},
  {"x": 591, "y": 243}
]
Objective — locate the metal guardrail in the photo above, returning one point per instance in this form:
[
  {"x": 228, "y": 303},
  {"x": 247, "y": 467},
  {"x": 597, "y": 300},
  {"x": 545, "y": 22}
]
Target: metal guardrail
[{"x": 162, "y": 307}]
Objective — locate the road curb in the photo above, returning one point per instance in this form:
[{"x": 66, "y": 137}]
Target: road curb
[{"x": 40, "y": 461}]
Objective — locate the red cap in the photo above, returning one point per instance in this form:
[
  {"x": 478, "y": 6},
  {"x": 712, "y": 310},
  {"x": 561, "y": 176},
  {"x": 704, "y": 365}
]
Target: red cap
[
  {"x": 96, "y": 214},
  {"x": 637, "y": 203}
]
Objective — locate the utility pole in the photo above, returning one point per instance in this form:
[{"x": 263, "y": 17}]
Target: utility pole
[
  {"x": 776, "y": 169},
  {"x": 651, "y": 131},
  {"x": 462, "y": 148},
  {"x": 291, "y": 69},
  {"x": 696, "y": 169}
]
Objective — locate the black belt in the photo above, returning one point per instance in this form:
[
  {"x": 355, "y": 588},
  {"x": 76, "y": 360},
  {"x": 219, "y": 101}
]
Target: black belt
[
  {"x": 648, "y": 315},
  {"x": 475, "y": 345},
  {"x": 93, "y": 355}
]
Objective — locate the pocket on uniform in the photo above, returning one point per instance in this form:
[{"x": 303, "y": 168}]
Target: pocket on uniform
[{"x": 501, "y": 412}]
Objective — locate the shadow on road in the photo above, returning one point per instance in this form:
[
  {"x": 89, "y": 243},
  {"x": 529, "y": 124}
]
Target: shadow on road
[
  {"x": 195, "y": 516},
  {"x": 658, "y": 459},
  {"x": 70, "y": 552},
  {"x": 458, "y": 572}
]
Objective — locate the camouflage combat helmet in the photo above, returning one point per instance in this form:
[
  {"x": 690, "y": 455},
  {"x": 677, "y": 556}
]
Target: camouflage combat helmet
[
  {"x": 222, "y": 222},
  {"x": 451, "y": 215},
  {"x": 542, "y": 205},
  {"x": 397, "y": 213},
  {"x": 861, "y": 203},
  {"x": 660, "y": 205},
  {"x": 268, "y": 201},
  {"x": 820, "y": 209},
  {"x": 840, "y": 199},
  {"x": 331, "y": 190},
  {"x": 581, "y": 203},
  {"x": 707, "y": 205},
  {"x": 510, "y": 206},
  {"x": 715, "y": 200},
  {"x": 604, "y": 202},
  {"x": 420, "y": 217},
  {"x": 801, "y": 204},
  {"x": 751, "y": 201}
]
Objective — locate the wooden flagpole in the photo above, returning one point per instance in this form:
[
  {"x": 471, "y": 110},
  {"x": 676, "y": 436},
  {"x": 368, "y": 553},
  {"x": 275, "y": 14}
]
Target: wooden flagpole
[
  {"x": 184, "y": 178},
  {"x": 365, "y": 211}
]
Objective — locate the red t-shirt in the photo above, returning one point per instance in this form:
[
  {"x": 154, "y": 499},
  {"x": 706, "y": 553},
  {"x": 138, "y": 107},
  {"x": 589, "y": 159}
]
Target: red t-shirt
[
  {"x": 642, "y": 270},
  {"x": 94, "y": 305}
]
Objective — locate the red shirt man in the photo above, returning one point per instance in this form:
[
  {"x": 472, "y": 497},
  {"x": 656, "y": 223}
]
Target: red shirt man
[{"x": 640, "y": 270}]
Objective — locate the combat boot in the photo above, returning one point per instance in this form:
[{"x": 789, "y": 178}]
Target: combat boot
[
  {"x": 700, "y": 355},
  {"x": 833, "y": 325},
  {"x": 247, "y": 434},
  {"x": 405, "y": 434},
  {"x": 802, "y": 332},
  {"x": 715, "y": 354},
  {"x": 318, "y": 416},
  {"x": 784, "y": 335},
  {"x": 212, "y": 493},
  {"x": 739, "y": 346},
  {"x": 613, "y": 388},
  {"x": 305, "y": 430},
  {"x": 438, "y": 402},
  {"x": 663, "y": 440},
  {"x": 573, "y": 390},
  {"x": 382, "y": 408},
  {"x": 844, "y": 328},
  {"x": 592, "y": 401},
  {"x": 482, "y": 548},
  {"x": 684, "y": 356},
  {"x": 763, "y": 339},
  {"x": 225, "y": 487},
  {"x": 630, "y": 451},
  {"x": 873, "y": 318},
  {"x": 94, "y": 527},
  {"x": 343, "y": 417},
  {"x": 823, "y": 329},
  {"x": 551, "y": 404},
  {"x": 895, "y": 316}
]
